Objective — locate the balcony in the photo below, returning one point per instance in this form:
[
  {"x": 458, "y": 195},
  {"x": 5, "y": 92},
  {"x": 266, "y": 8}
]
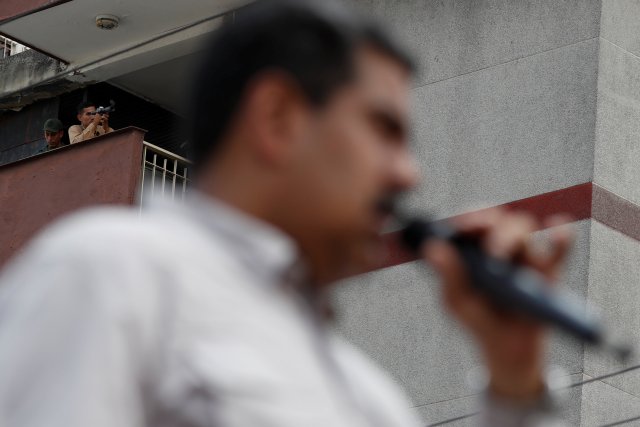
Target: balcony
[
  {"x": 9, "y": 47},
  {"x": 119, "y": 169}
]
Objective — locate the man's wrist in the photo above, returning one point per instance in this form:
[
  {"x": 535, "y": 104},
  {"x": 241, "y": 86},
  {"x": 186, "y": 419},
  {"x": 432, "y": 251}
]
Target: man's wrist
[
  {"x": 517, "y": 378},
  {"x": 517, "y": 370},
  {"x": 512, "y": 391},
  {"x": 518, "y": 387},
  {"x": 551, "y": 381},
  {"x": 544, "y": 411}
]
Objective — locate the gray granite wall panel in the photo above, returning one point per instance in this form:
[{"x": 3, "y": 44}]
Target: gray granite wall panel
[
  {"x": 396, "y": 317},
  {"x": 614, "y": 279},
  {"x": 454, "y": 408},
  {"x": 508, "y": 132},
  {"x": 620, "y": 24},
  {"x": 603, "y": 405},
  {"x": 617, "y": 151},
  {"x": 455, "y": 37}
]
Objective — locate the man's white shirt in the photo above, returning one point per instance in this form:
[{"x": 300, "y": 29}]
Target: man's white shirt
[
  {"x": 181, "y": 316},
  {"x": 184, "y": 315}
]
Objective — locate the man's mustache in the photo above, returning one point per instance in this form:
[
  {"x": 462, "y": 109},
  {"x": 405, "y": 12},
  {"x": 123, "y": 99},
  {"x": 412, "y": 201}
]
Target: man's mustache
[{"x": 388, "y": 203}]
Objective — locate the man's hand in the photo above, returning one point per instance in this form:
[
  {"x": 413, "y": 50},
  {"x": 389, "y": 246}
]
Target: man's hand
[
  {"x": 513, "y": 346},
  {"x": 105, "y": 122},
  {"x": 97, "y": 119}
]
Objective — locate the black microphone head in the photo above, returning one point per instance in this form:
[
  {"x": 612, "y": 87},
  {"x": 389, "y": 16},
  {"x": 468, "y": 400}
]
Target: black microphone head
[{"x": 415, "y": 233}]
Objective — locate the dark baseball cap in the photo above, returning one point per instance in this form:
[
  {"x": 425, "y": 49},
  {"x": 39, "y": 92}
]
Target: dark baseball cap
[{"x": 53, "y": 125}]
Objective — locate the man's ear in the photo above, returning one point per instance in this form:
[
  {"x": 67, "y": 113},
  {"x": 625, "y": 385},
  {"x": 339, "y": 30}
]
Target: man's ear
[
  {"x": 79, "y": 116},
  {"x": 276, "y": 113}
]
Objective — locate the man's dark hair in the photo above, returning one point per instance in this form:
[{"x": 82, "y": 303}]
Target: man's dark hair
[
  {"x": 313, "y": 42},
  {"x": 83, "y": 105}
]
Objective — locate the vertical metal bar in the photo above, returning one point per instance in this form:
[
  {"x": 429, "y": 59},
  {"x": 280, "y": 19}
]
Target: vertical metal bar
[
  {"x": 144, "y": 166},
  {"x": 179, "y": 169},
  {"x": 175, "y": 175},
  {"x": 153, "y": 175},
  {"x": 184, "y": 182},
  {"x": 164, "y": 174}
]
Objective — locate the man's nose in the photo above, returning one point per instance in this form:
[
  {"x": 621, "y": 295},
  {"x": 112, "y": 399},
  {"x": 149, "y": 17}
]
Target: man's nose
[{"x": 406, "y": 170}]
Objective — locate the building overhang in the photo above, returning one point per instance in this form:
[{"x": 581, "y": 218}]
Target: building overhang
[{"x": 150, "y": 53}]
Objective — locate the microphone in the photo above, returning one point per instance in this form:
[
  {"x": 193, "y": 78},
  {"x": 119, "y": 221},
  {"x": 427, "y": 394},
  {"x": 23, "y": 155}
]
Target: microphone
[{"x": 514, "y": 287}]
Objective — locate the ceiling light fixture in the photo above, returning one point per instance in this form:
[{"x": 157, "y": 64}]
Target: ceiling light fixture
[{"x": 107, "y": 22}]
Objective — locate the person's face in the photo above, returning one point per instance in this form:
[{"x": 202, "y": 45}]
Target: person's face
[
  {"x": 86, "y": 116},
  {"x": 355, "y": 159},
  {"x": 53, "y": 139}
]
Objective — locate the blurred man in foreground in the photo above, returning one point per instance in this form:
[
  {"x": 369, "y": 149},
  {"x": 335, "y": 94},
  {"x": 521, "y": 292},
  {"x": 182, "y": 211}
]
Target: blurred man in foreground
[{"x": 212, "y": 313}]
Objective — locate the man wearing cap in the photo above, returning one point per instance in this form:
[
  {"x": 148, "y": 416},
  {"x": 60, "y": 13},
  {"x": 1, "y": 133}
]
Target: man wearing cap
[{"x": 53, "y": 132}]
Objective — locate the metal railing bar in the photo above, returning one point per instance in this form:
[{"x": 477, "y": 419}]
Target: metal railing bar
[
  {"x": 173, "y": 184},
  {"x": 164, "y": 152},
  {"x": 158, "y": 168},
  {"x": 164, "y": 175},
  {"x": 157, "y": 173},
  {"x": 153, "y": 175},
  {"x": 144, "y": 159},
  {"x": 184, "y": 183}
]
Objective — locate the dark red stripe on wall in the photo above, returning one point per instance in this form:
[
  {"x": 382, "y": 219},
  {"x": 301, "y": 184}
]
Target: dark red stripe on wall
[{"x": 574, "y": 201}]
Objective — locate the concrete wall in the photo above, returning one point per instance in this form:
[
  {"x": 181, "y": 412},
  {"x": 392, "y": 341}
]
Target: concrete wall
[
  {"x": 23, "y": 79},
  {"x": 505, "y": 99},
  {"x": 613, "y": 287},
  {"x": 614, "y": 272},
  {"x": 506, "y": 106},
  {"x": 37, "y": 190},
  {"x": 24, "y": 69},
  {"x": 617, "y": 151}
]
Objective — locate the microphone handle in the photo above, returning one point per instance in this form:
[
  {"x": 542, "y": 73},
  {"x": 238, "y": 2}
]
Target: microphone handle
[{"x": 516, "y": 288}]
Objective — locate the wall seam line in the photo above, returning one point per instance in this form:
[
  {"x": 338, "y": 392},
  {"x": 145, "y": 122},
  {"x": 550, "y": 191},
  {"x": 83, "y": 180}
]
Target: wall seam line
[
  {"x": 612, "y": 386},
  {"x": 504, "y": 63},
  {"x": 620, "y": 48}
]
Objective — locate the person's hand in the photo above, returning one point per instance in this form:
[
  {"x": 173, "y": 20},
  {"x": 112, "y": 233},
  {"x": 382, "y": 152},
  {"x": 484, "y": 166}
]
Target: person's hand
[
  {"x": 97, "y": 119},
  {"x": 513, "y": 346},
  {"x": 105, "y": 121}
]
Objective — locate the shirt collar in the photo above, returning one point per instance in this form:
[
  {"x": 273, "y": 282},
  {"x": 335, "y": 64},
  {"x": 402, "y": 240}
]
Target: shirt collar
[{"x": 262, "y": 247}]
